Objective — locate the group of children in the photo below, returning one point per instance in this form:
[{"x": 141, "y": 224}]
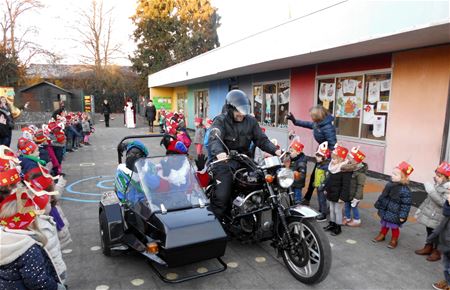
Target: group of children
[
  {"x": 340, "y": 176},
  {"x": 33, "y": 227}
]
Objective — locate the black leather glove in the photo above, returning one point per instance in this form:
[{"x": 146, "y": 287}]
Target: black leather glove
[{"x": 291, "y": 117}]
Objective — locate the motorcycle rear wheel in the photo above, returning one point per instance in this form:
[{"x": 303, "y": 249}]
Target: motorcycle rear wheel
[{"x": 318, "y": 248}]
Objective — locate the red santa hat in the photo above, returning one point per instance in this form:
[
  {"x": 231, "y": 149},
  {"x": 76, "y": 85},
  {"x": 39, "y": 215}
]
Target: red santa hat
[
  {"x": 406, "y": 168},
  {"x": 209, "y": 121},
  {"x": 26, "y": 146},
  {"x": 323, "y": 150},
  {"x": 198, "y": 120},
  {"x": 357, "y": 155},
  {"x": 444, "y": 169},
  {"x": 340, "y": 151}
]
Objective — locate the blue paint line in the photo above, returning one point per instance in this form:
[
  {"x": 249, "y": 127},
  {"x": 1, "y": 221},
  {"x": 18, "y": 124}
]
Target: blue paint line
[
  {"x": 100, "y": 184},
  {"x": 69, "y": 187},
  {"x": 80, "y": 200}
]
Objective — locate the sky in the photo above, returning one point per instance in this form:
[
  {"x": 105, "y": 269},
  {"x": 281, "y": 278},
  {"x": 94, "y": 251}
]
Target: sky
[{"x": 239, "y": 19}]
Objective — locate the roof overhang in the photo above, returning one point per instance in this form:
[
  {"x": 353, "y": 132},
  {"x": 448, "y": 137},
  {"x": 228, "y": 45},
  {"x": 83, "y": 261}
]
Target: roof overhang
[{"x": 313, "y": 46}]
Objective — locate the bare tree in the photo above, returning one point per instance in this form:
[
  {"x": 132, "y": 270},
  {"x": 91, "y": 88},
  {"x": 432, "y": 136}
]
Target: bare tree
[
  {"x": 13, "y": 10},
  {"x": 95, "y": 30}
]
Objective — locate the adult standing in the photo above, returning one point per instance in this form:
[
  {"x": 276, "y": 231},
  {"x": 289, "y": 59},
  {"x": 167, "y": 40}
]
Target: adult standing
[
  {"x": 323, "y": 130},
  {"x": 130, "y": 117},
  {"x": 150, "y": 113},
  {"x": 106, "y": 112},
  {"x": 6, "y": 122}
]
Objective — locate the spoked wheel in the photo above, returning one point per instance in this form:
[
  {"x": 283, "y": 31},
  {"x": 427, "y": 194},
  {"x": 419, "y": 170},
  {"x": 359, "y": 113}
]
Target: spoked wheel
[{"x": 310, "y": 259}]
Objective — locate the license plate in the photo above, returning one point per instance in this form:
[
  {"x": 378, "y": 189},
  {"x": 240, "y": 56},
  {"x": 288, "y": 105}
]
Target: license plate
[{"x": 109, "y": 198}]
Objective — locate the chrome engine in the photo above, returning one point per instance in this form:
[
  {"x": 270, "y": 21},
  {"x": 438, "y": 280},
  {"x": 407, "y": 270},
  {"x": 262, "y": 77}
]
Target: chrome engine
[{"x": 245, "y": 210}]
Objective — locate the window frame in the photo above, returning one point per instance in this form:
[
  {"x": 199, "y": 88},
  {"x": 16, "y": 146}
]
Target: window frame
[
  {"x": 363, "y": 73},
  {"x": 205, "y": 100},
  {"x": 274, "y": 82}
]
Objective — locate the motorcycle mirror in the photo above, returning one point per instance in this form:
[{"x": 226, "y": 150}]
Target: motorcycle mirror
[{"x": 216, "y": 133}]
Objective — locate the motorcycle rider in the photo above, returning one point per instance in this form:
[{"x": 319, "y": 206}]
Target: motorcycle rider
[{"x": 237, "y": 130}]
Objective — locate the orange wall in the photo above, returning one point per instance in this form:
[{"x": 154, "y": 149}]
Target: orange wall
[{"x": 420, "y": 81}]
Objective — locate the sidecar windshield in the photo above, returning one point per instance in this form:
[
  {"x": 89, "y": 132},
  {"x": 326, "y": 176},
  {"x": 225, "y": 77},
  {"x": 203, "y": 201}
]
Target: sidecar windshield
[{"x": 169, "y": 182}]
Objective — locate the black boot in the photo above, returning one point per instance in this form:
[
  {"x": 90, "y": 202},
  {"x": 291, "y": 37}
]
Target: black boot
[
  {"x": 330, "y": 226},
  {"x": 336, "y": 231}
]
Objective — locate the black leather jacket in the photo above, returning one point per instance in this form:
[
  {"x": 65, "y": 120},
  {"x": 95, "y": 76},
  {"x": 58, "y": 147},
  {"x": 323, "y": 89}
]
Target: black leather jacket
[{"x": 238, "y": 136}]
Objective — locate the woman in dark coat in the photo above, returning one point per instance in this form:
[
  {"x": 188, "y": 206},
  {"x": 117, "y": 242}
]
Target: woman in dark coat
[
  {"x": 323, "y": 130},
  {"x": 6, "y": 122},
  {"x": 150, "y": 114},
  {"x": 106, "y": 112}
]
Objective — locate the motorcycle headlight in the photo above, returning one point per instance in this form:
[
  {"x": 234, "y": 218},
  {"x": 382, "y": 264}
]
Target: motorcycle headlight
[{"x": 285, "y": 177}]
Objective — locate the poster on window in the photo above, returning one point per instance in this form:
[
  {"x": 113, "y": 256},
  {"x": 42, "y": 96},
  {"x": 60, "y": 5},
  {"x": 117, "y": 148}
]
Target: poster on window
[
  {"x": 327, "y": 92},
  {"x": 374, "y": 92},
  {"x": 268, "y": 118},
  {"x": 379, "y": 126},
  {"x": 349, "y": 86},
  {"x": 383, "y": 107},
  {"x": 385, "y": 85},
  {"x": 348, "y": 107},
  {"x": 368, "y": 114},
  {"x": 283, "y": 97}
]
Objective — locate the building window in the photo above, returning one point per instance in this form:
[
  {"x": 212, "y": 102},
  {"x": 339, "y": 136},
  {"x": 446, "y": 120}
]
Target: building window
[
  {"x": 271, "y": 103},
  {"x": 360, "y": 104},
  {"x": 182, "y": 103},
  {"x": 201, "y": 103}
]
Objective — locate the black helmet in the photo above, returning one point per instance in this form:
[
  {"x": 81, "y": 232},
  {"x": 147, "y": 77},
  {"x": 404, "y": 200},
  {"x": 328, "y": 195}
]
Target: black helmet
[{"x": 238, "y": 100}]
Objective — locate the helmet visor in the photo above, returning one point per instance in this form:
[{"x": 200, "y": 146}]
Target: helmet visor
[{"x": 244, "y": 109}]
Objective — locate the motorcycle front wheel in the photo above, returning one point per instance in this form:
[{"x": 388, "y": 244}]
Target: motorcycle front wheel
[{"x": 310, "y": 260}]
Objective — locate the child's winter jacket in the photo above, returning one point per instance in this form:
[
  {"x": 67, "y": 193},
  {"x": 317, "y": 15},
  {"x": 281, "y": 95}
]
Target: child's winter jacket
[{"x": 394, "y": 203}]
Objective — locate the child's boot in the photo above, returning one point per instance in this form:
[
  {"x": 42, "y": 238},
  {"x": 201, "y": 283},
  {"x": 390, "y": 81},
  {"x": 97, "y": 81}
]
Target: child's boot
[
  {"x": 393, "y": 243},
  {"x": 426, "y": 250},
  {"x": 354, "y": 223},
  {"x": 330, "y": 226},
  {"x": 441, "y": 285},
  {"x": 336, "y": 231},
  {"x": 435, "y": 255},
  {"x": 379, "y": 238}
]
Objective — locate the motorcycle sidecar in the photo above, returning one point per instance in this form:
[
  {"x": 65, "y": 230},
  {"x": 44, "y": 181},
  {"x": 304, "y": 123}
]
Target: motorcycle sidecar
[{"x": 163, "y": 215}]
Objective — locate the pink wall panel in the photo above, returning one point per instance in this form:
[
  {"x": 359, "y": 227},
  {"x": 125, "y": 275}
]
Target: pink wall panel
[{"x": 302, "y": 99}]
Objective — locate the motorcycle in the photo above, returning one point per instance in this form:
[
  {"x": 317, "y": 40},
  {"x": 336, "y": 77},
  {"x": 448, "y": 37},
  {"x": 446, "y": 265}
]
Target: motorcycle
[{"x": 263, "y": 208}]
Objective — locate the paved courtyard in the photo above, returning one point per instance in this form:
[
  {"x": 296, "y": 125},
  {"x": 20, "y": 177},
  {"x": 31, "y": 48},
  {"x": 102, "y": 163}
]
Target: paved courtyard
[{"x": 357, "y": 262}]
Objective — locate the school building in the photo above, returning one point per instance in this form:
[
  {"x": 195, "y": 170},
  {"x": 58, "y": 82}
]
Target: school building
[{"x": 381, "y": 68}]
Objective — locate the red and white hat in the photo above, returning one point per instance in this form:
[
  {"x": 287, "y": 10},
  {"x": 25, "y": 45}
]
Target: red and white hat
[
  {"x": 7, "y": 154},
  {"x": 26, "y": 146},
  {"x": 357, "y": 155},
  {"x": 28, "y": 133},
  {"x": 297, "y": 145},
  {"x": 53, "y": 126},
  {"x": 323, "y": 150},
  {"x": 60, "y": 136},
  {"x": 444, "y": 169},
  {"x": 340, "y": 151},
  {"x": 198, "y": 120},
  {"x": 39, "y": 137},
  {"x": 9, "y": 177},
  {"x": 406, "y": 168},
  {"x": 209, "y": 121}
]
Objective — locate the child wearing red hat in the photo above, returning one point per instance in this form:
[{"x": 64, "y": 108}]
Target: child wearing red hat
[
  {"x": 297, "y": 162},
  {"x": 430, "y": 213},
  {"x": 337, "y": 188},
  {"x": 199, "y": 135},
  {"x": 394, "y": 204},
  {"x": 322, "y": 156},
  {"x": 358, "y": 169},
  {"x": 29, "y": 155}
]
